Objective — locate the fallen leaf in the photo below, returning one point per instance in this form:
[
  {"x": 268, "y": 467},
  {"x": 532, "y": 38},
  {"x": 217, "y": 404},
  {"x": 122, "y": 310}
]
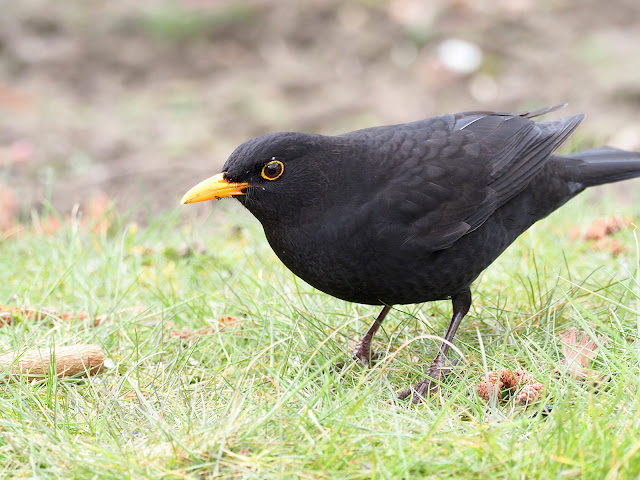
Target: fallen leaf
[
  {"x": 224, "y": 322},
  {"x": 47, "y": 226},
  {"x": 600, "y": 231},
  {"x": 186, "y": 334},
  {"x": 228, "y": 321},
  {"x": 99, "y": 214},
  {"x": 8, "y": 205},
  {"x": 8, "y": 315},
  {"x": 579, "y": 350},
  {"x": 607, "y": 244},
  {"x": 604, "y": 227}
]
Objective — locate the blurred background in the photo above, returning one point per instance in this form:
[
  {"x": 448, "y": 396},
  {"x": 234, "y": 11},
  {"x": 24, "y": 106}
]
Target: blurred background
[{"x": 137, "y": 101}]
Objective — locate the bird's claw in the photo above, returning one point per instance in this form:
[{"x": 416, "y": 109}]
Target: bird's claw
[
  {"x": 363, "y": 353},
  {"x": 429, "y": 385},
  {"x": 420, "y": 391}
]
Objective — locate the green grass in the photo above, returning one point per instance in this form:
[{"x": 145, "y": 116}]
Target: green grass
[{"x": 261, "y": 399}]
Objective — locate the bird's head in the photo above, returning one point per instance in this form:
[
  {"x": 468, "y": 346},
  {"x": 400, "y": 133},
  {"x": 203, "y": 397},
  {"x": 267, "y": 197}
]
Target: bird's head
[{"x": 274, "y": 176}]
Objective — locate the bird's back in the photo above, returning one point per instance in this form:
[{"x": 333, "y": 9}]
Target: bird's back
[
  {"x": 407, "y": 200},
  {"x": 415, "y": 212}
]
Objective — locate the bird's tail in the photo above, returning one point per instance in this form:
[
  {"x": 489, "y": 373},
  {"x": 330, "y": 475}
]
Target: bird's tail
[{"x": 602, "y": 165}]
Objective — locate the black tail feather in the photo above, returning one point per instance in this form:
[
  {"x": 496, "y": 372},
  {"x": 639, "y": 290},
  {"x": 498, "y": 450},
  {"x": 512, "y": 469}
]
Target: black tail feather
[{"x": 602, "y": 165}]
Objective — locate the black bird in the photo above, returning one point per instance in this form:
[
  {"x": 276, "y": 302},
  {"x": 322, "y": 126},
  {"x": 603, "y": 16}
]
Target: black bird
[{"x": 413, "y": 212}]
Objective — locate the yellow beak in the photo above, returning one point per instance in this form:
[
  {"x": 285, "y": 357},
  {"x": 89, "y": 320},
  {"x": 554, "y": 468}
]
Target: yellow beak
[{"x": 214, "y": 187}]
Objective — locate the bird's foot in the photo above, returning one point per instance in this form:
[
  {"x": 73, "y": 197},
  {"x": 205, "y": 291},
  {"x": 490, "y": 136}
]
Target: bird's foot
[
  {"x": 420, "y": 391},
  {"x": 430, "y": 385},
  {"x": 363, "y": 353}
]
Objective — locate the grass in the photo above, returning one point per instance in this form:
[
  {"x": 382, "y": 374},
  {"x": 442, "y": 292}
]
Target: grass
[{"x": 260, "y": 398}]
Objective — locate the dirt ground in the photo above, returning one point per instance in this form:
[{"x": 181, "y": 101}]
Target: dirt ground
[{"x": 140, "y": 100}]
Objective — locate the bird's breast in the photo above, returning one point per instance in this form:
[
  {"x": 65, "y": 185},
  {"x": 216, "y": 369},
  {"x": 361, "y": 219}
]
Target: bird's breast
[{"x": 366, "y": 265}]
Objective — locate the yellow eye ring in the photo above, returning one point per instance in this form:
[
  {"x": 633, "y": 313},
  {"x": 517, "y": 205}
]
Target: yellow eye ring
[{"x": 272, "y": 170}]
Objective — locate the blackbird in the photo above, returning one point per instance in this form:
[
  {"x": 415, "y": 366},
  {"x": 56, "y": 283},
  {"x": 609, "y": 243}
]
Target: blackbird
[{"x": 409, "y": 213}]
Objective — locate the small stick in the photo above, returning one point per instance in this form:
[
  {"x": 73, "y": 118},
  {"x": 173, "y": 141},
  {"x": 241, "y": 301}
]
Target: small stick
[{"x": 67, "y": 361}]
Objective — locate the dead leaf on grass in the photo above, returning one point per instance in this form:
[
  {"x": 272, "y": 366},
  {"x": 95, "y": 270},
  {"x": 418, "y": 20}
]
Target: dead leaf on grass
[
  {"x": 9, "y": 315},
  {"x": 579, "y": 351},
  {"x": 603, "y": 227},
  {"x": 599, "y": 232},
  {"x": 224, "y": 322},
  {"x": 96, "y": 215},
  {"x": 8, "y": 206}
]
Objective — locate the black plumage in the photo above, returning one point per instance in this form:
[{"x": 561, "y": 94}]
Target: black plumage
[{"x": 413, "y": 212}]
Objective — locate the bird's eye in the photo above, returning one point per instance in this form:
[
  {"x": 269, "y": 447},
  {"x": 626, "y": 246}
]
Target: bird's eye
[{"x": 272, "y": 170}]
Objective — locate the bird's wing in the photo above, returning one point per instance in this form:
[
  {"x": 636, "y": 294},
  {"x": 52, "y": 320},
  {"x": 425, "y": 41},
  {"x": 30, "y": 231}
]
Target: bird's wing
[{"x": 448, "y": 174}]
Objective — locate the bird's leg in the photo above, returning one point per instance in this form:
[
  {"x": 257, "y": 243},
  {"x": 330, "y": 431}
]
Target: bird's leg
[
  {"x": 437, "y": 371},
  {"x": 362, "y": 351}
]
